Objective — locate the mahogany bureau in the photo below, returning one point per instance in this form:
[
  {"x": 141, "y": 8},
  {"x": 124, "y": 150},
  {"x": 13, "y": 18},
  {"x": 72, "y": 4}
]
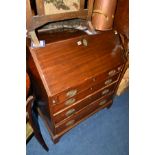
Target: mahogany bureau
[{"x": 74, "y": 76}]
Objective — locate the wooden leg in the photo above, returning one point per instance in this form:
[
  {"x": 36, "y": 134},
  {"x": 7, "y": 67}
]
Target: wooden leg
[
  {"x": 109, "y": 106},
  {"x": 33, "y": 120},
  {"x": 56, "y": 140}
]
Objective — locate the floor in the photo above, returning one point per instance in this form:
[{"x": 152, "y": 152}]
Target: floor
[{"x": 105, "y": 133}]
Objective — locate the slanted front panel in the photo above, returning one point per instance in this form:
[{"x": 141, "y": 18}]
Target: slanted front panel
[{"x": 66, "y": 64}]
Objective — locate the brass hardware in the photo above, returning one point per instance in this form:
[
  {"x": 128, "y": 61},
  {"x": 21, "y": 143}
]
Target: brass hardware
[
  {"x": 70, "y": 112},
  {"x": 105, "y": 91},
  {"x": 85, "y": 42},
  {"x": 70, "y": 122},
  {"x": 70, "y": 101},
  {"x": 71, "y": 93},
  {"x": 108, "y": 81},
  {"x": 112, "y": 16},
  {"x": 103, "y": 102},
  {"x": 111, "y": 73}
]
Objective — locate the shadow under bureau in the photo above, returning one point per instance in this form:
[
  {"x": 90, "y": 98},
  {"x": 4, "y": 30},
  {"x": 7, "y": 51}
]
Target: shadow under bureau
[{"x": 74, "y": 76}]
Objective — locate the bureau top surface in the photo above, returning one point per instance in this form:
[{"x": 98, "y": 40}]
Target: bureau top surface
[{"x": 63, "y": 64}]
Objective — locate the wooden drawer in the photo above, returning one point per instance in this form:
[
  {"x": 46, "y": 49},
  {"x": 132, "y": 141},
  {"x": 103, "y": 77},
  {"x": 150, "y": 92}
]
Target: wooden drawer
[
  {"x": 92, "y": 89},
  {"x": 72, "y": 110},
  {"x": 88, "y": 110},
  {"x": 85, "y": 86},
  {"x": 67, "y": 112}
]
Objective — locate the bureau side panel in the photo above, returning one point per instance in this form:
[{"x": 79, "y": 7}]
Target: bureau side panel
[{"x": 38, "y": 88}]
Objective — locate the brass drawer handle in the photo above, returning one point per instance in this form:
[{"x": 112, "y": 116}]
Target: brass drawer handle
[
  {"x": 105, "y": 91},
  {"x": 108, "y": 81},
  {"x": 70, "y": 112},
  {"x": 70, "y": 101},
  {"x": 102, "y": 102},
  {"x": 71, "y": 122},
  {"x": 71, "y": 93},
  {"x": 112, "y": 72},
  {"x": 85, "y": 42}
]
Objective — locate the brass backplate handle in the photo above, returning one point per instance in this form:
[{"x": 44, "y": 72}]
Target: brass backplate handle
[
  {"x": 70, "y": 101},
  {"x": 103, "y": 102},
  {"x": 70, "y": 112},
  {"x": 85, "y": 42},
  {"x": 71, "y": 122},
  {"x": 108, "y": 81},
  {"x": 105, "y": 91},
  {"x": 112, "y": 72},
  {"x": 71, "y": 93}
]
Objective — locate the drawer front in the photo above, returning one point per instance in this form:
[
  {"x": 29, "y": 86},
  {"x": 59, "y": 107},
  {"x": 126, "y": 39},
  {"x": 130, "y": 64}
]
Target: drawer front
[
  {"x": 84, "y": 94},
  {"x": 71, "y": 121},
  {"x": 72, "y": 110},
  {"x": 74, "y": 91},
  {"x": 110, "y": 74}
]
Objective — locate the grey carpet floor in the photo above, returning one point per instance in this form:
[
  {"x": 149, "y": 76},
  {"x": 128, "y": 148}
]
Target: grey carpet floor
[{"x": 105, "y": 133}]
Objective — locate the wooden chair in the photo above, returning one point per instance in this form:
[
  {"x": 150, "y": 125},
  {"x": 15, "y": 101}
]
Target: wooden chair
[
  {"x": 35, "y": 21},
  {"x": 31, "y": 116}
]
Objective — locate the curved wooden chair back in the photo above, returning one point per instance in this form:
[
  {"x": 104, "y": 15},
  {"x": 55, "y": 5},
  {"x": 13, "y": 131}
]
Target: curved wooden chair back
[{"x": 35, "y": 21}]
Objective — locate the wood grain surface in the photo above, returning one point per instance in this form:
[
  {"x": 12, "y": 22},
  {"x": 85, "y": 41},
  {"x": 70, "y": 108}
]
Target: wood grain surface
[
  {"x": 74, "y": 61},
  {"x": 64, "y": 64}
]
